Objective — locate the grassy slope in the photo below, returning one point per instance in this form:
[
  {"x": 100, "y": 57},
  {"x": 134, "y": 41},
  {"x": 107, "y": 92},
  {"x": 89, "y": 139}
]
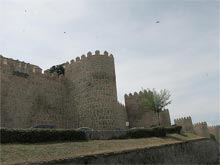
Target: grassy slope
[{"x": 15, "y": 153}]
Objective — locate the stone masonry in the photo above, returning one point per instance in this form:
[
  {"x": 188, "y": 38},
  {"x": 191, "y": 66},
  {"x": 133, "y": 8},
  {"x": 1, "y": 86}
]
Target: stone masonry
[
  {"x": 186, "y": 123},
  {"x": 201, "y": 129},
  {"x": 140, "y": 116},
  {"x": 215, "y": 130},
  {"x": 85, "y": 96}
]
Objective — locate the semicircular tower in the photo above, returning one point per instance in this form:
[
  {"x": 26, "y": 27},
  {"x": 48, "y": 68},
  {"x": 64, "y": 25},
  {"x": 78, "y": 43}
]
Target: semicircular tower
[{"x": 93, "y": 90}]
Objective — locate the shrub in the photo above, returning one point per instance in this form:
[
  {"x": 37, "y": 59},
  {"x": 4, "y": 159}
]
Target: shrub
[
  {"x": 147, "y": 132},
  {"x": 40, "y": 135},
  {"x": 212, "y": 137},
  {"x": 153, "y": 132},
  {"x": 173, "y": 129}
]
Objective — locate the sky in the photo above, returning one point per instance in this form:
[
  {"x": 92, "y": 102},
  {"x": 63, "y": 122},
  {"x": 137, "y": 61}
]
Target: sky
[{"x": 180, "y": 53}]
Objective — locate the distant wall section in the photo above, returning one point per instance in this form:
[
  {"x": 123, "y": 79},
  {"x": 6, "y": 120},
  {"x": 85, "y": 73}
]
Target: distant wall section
[
  {"x": 186, "y": 123},
  {"x": 215, "y": 130},
  {"x": 29, "y": 97},
  {"x": 201, "y": 129},
  {"x": 140, "y": 116}
]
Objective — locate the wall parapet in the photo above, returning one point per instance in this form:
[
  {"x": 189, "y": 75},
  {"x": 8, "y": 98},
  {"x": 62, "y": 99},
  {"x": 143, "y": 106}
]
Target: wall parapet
[
  {"x": 19, "y": 65},
  {"x": 134, "y": 94},
  {"x": 27, "y": 68},
  {"x": 214, "y": 126},
  {"x": 200, "y": 124},
  {"x": 89, "y": 55},
  {"x": 183, "y": 118}
]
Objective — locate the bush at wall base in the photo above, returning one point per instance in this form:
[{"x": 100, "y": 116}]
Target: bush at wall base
[{"x": 40, "y": 135}]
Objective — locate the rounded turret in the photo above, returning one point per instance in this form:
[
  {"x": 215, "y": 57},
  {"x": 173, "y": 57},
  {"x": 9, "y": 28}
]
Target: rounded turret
[{"x": 93, "y": 90}]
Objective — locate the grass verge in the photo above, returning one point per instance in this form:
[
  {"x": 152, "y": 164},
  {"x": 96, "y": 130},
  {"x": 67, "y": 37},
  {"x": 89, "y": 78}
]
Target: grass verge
[{"x": 19, "y": 153}]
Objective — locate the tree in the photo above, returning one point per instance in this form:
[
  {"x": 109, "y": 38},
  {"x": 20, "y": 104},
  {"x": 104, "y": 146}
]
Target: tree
[
  {"x": 59, "y": 69},
  {"x": 156, "y": 101}
]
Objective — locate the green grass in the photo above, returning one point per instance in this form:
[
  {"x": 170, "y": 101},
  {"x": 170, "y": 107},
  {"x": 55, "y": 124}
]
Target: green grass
[
  {"x": 18, "y": 153},
  {"x": 184, "y": 136}
]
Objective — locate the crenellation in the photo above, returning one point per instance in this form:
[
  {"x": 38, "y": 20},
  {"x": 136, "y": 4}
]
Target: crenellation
[
  {"x": 89, "y": 54},
  {"x": 72, "y": 61},
  {"x": 186, "y": 123},
  {"x": 85, "y": 96},
  {"x": 83, "y": 57},
  {"x": 165, "y": 110},
  {"x": 201, "y": 129},
  {"x": 10, "y": 64},
  {"x": 140, "y": 93},
  {"x": 105, "y": 53},
  {"x": 97, "y": 52},
  {"x": 140, "y": 116},
  {"x": 77, "y": 59}
]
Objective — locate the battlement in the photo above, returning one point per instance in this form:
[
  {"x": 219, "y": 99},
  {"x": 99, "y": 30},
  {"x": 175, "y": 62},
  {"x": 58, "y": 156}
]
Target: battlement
[
  {"x": 201, "y": 129},
  {"x": 214, "y": 127},
  {"x": 89, "y": 55},
  {"x": 200, "y": 124},
  {"x": 183, "y": 119},
  {"x": 135, "y": 94},
  {"x": 120, "y": 104},
  {"x": 186, "y": 123},
  {"x": 20, "y": 66},
  {"x": 165, "y": 110}
]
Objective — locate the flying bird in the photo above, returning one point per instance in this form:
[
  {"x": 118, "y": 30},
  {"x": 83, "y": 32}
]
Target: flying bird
[{"x": 158, "y": 22}]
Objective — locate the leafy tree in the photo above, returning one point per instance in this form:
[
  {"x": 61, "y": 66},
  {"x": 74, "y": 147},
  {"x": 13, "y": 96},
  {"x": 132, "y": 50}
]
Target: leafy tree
[
  {"x": 59, "y": 69},
  {"x": 156, "y": 101}
]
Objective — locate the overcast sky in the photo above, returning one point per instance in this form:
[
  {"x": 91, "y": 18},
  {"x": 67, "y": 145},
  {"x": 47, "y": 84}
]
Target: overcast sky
[{"x": 180, "y": 53}]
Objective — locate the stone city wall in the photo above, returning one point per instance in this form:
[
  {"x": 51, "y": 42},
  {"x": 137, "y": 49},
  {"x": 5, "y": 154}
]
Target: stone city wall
[
  {"x": 92, "y": 84},
  {"x": 203, "y": 151},
  {"x": 215, "y": 130},
  {"x": 201, "y": 129},
  {"x": 85, "y": 96},
  {"x": 29, "y": 97},
  {"x": 186, "y": 123},
  {"x": 140, "y": 116}
]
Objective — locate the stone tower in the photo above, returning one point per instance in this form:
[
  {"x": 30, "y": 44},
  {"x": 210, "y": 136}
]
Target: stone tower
[
  {"x": 92, "y": 87},
  {"x": 85, "y": 96}
]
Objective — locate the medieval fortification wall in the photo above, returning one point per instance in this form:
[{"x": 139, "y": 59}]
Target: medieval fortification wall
[
  {"x": 201, "y": 129},
  {"x": 29, "y": 97},
  {"x": 92, "y": 84},
  {"x": 140, "y": 116},
  {"x": 215, "y": 130},
  {"x": 186, "y": 123},
  {"x": 85, "y": 97}
]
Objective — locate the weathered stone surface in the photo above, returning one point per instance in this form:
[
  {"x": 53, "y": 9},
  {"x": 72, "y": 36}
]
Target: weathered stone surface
[
  {"x": 202, "y": 151},
  {"x": 140, "y": 116},
  {"x": 186, "y": 123},
  {"x": 85, "y": 96},
  {"x": 201, "y": 129}
]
